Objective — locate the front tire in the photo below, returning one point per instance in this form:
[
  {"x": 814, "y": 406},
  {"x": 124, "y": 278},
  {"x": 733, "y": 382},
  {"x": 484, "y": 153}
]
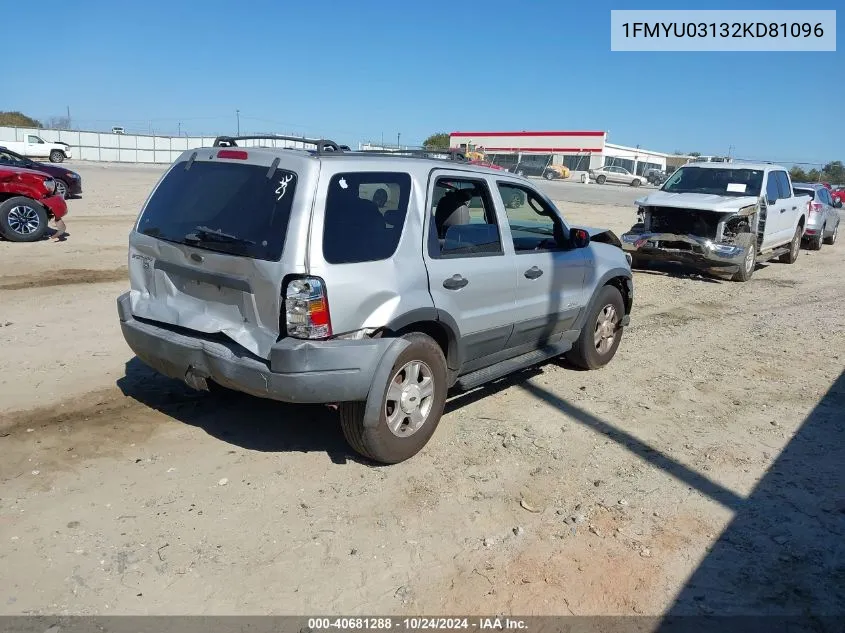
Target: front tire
[
  {"x": 412, "y": 403},
  {"x": 61, "y": 188},
  {"x": 57, "y": 156},
  {"x": 830, "y": 241},
  {"x": 602, "y": 332},
  {"x": 601, "y": 180},
  {"x": 22, "y": 220},
  {"x": 794, "y": 247},
  {"x": 749, "y": 261},
  {"x": 549, "y": 175},
  {"x": 636, "y": 182}
]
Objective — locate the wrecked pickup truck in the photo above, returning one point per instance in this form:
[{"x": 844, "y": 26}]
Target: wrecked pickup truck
[{"x": 720, "y": 218}]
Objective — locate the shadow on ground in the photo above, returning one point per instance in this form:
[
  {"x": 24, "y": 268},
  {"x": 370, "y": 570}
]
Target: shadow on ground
[
  {"x": 265, "y": 425},
  {"x": 784, "y": 551},
  {"x": 252, "y": 423}
]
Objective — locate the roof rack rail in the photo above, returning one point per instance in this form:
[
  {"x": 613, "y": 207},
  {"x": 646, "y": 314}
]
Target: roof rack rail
[
  {"x": 321, "y": 144},
  {"x": 450, "y": 153}
]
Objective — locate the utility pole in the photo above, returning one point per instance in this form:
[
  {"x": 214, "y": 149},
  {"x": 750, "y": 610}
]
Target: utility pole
[
  {"x": 180, "y": 129},
  {"x": 398, "y": 144},
  {"x": 238, "y": 114},
  {"x": 68, "y": 117},
  {"x": 730, "y": 151}
]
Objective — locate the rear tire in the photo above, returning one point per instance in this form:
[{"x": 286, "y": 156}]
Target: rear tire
[
  {"x": 412, "y": 403},
  {"x": 57, "y": 156},
  {"x": 22, "y": 220},
  {"x": 794, "y": 247},
  {"x": 815, "y": 241},
  {"x": 635, "y": 183},
  {"x": 749, "y": 261},
  {"x": 549, "y": 175},
  {"x": 601, "y": 334},
  {"x": 830, "y": 241},
  {"x": 601, "y": 179}
]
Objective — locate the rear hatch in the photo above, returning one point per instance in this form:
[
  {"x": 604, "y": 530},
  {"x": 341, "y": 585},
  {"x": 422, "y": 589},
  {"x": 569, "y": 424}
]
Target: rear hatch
[{"x": 215, "y": 240}]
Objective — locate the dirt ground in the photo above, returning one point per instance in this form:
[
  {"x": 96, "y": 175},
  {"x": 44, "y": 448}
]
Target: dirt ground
[{"x": 699, "y": 472}]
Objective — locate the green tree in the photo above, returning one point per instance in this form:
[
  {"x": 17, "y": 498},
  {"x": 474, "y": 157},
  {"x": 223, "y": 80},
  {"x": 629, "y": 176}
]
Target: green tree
[
  {"x": 834, "y": 172},
  {"x": 696, "y": 154},
  {"x": 437, "y": 141},
  {"x": 797, "y": 174},
  {"x": 814, "y": 175},
  {"x": 18, "y": 119}
]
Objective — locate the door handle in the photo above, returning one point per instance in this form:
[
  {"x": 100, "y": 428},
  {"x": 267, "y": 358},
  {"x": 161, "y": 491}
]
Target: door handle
[
  {"x": 455, "y": 282},
  {"x": 533, "y": 272},
  {"x": 794, "y": 208}
]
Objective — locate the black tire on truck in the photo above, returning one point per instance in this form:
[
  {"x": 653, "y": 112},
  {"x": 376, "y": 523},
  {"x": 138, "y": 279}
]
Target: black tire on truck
[
  {"x": 57, "y": 156},
  {"x": 791, "y": 255},
  {"x": 411, "y": 404},
  {"x": 749, "y": 260},
  {"x": 602, "y": 332},
  {"x": 22, "y": 220}
]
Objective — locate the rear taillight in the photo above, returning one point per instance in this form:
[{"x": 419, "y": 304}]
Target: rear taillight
[
  {"x": 307, "y": 309},
  {"x": 815, "y": 207}
]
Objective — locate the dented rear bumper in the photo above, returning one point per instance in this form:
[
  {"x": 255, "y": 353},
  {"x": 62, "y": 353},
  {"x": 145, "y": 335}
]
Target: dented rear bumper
[
  {"x": 297, "y": 371},
  {"x": 685, "y": 249}
]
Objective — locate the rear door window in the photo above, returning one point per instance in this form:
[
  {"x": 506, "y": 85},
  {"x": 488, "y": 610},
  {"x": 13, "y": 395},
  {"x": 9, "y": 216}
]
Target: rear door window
[
  {"x": 233, "y": 208},
  {"x": 783, "y": 185},
  {"x": 365, "y": 214}
]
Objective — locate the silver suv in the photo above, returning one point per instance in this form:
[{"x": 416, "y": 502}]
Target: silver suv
[{"x": 374, "y": 280}]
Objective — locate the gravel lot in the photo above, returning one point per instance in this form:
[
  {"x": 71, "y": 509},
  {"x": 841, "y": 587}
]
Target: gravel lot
[{"x": 700, "y": 472}]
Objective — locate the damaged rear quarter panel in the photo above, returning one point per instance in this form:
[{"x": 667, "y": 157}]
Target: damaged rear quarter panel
[{"x": 372, "y": 294}]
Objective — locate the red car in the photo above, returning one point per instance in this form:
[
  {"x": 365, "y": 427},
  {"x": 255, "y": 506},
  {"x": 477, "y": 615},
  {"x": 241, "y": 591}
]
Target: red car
[
  {"x": 838, "y": 195},
  {"x": 28, "y": 201}
]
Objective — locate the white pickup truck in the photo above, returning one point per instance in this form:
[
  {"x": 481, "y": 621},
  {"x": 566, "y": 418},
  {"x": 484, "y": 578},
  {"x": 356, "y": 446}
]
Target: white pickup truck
[
  {"x": 33, "y": 146},
  {"x": 720, "y": 217}
]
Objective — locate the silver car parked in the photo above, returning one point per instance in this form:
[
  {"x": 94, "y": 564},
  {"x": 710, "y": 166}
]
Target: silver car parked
[
  {"x": 377, "y": 281},
  {"x": 616, "y": 174},
  {"x": 822, "y": 215}
]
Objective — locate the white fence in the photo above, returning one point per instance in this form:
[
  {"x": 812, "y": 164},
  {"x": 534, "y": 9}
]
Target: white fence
[{"x": 125, "y": 148}]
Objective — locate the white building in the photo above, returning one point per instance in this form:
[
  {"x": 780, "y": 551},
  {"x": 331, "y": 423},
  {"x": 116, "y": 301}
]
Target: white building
[{"x": 578, "y": 150}]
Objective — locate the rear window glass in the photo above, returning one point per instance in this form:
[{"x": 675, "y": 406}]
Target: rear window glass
[
  {"x": 232, "y": 208},
  {"x": 801, "y": 191},
  {"x": 365, "y": 214}
]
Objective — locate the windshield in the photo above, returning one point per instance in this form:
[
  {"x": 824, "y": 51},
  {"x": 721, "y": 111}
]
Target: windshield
[
  {"x": 720, "y": 182},
  {"x": 225, "y": 207}
]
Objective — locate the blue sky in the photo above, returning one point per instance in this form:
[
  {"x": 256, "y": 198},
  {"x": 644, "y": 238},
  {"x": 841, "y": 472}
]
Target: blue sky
[{"x": 359, "y": 70}]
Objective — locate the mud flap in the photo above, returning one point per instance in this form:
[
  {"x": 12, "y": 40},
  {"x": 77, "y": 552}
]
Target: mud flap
[{"x": 382, "y": 374}]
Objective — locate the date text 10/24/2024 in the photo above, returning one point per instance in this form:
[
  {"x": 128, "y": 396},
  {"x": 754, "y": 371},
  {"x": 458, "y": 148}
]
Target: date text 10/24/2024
[
  {"x": 723, "y": 30},
  {"x": 415, "y": 624}
]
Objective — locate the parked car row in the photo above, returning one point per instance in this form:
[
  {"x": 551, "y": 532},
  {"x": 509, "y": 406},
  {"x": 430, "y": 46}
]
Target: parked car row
[
  {"x": 727, "y": 217},
  {"x": 31, "y": 195},
  {"x": 68, "y": 183}
]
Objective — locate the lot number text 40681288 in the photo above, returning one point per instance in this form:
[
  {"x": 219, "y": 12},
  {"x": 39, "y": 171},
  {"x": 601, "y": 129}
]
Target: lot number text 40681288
[{"x": 415, "y": 624}]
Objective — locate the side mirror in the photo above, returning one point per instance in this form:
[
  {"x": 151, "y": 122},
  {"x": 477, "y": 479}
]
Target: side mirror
[{"x": 579, "y": 238}]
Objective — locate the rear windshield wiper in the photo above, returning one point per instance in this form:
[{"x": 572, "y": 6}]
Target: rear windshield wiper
[{"x": 204, "y": 234}]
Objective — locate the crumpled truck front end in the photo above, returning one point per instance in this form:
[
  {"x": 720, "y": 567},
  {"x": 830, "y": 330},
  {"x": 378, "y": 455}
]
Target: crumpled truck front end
[{"x": 699, "y": 238}]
